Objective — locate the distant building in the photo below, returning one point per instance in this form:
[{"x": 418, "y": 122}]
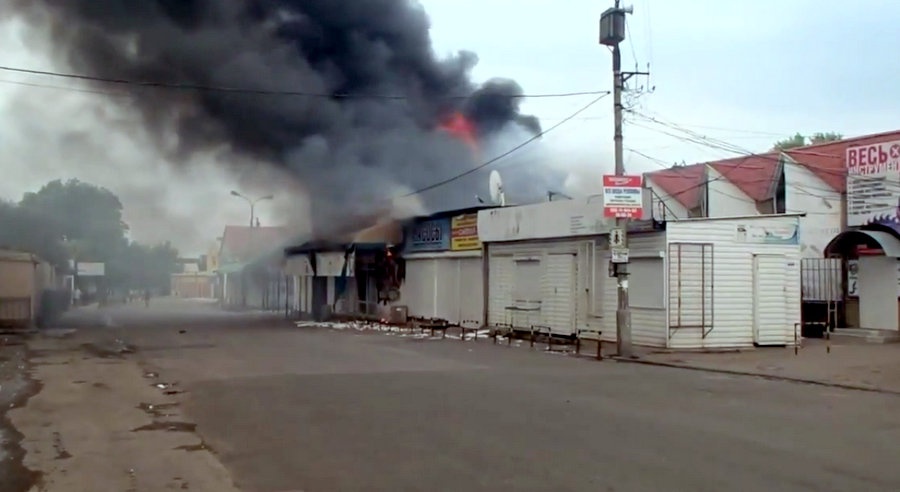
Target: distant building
[
  {"x": 24, "y": 281},
  {"x": 248, "y": 271}
]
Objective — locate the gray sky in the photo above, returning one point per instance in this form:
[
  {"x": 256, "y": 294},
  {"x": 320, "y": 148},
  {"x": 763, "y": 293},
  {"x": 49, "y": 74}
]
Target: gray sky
[{"x": 747, "y": 72}]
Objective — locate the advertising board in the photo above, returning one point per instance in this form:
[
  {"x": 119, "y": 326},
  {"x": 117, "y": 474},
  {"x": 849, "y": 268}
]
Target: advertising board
[
  {"x": 623, "y": 197},
  {"x": 87, "y": 269},
  {"x": 428, "y": 235},
  {"x": 873, "y": 185},
  {"x": 464, "y": 233}
]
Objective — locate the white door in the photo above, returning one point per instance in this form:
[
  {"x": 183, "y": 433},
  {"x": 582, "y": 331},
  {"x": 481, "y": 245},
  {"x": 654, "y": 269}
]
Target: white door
[
  {"x": 877, "y": 281},
  {"x": 769, "y": 300},
  {"x": 558, "y": 305}
]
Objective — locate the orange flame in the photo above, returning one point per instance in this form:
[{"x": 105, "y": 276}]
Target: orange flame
[{"x": 460, "y": 127}]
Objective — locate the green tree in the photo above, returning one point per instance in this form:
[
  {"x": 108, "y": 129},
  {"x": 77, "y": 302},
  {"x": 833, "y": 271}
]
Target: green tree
[
  {"x": 820, "y": 137},
  {"x": 24, "y": 230},
  {"x": 88, "y": 217},
  {"x": 143, "y": 267},
  {"x": 799, "y": 140},
  {"x": 73, "y": 219}
]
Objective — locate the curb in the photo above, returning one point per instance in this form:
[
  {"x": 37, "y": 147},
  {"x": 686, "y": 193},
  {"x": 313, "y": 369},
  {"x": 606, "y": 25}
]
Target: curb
[{"x": 771, "y": 377}]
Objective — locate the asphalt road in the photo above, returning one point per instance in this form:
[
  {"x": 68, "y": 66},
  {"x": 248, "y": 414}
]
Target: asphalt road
[{"x": 314, "y": 409}]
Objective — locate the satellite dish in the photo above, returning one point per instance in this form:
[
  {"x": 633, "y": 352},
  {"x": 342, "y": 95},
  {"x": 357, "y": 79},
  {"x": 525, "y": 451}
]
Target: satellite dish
[{"x": 496, "y": 186}]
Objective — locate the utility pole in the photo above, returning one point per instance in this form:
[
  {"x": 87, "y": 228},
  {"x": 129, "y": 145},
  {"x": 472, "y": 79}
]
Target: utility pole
[{"x": 612, "y": 32}]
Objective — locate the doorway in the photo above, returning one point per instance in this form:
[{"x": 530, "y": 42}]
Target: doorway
[
  {"x": 769, "y": 300},
  {"x": 877, "y": 292}
]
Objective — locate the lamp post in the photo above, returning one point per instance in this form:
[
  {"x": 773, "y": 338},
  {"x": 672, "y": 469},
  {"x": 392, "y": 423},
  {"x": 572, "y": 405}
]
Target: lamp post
[{"x": 252, "y": 203}]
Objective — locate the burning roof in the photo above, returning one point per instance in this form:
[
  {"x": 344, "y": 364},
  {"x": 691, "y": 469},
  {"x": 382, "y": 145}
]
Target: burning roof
[{"x": 347, "y": 96}]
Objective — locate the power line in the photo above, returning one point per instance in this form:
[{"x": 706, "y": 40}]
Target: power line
[
  {"x": 724, "y": 175},
  {"x": 501, "y": 156},
  {"x": 722, "y": 145},
  {"x": 708, "y": 127},
  {"x": 62, "y": 88},
  {"x": 262, "y": 92}
]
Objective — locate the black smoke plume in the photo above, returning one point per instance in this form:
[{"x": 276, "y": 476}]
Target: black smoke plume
[{"x": 381, "y": 91}]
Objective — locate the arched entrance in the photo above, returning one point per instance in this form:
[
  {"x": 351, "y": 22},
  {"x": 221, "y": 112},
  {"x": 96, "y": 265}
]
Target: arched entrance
[{"x": 872, "y": 276}]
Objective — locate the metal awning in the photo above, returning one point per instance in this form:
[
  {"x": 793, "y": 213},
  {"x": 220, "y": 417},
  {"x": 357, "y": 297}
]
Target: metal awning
[{"x": 843, "y": 242}]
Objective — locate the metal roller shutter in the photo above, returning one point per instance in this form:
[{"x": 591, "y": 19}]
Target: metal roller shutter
[
  {"x": 417, "y": 292},
  {"x": 558, "y": 306},
  {"x": 499, "y": 288}
]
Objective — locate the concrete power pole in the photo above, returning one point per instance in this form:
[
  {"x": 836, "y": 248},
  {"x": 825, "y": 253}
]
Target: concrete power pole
[{"x": 612, "y": 32}]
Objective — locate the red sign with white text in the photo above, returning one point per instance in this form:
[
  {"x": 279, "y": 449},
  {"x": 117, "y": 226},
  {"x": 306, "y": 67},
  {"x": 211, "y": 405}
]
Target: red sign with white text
[
  {"x": 873, "y": 185},
  {"x": 874, "y": 160},
  {"x": 623, "y": 197}
]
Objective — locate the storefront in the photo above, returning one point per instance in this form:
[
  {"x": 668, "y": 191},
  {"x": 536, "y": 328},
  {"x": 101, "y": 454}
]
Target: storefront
[
  {"x": 871, "y": 246},
  {"x": 693, "y": 284},
  {"x": 442, "y": 255},
  {"x": 872, "y": 263}
]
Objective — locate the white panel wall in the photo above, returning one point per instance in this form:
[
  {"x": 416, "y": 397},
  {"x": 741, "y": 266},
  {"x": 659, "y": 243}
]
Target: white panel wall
[
  {"x": 502, "y": 280},
  {"x": 672, "y": 209},
  {"x": 805, "y": 192},
  {"x": 471, "y": 289},
  {"x": 724, "y": 199},
  {"x": 417, "y": 291},
  {"x": 648, "y": 326},
  {"x": 546, "y": 220},
  {"x": 444, "y": 285},
  {"x": 733, "y": 279}
]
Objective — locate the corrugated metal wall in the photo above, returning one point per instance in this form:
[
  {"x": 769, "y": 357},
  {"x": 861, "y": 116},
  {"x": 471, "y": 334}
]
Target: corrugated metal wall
[
  {"x": 538, "y": 283},
  {"x": 648, "y": 323},
  {"x": 733, "y": 310},
  {"x": 445, "y": 287}
]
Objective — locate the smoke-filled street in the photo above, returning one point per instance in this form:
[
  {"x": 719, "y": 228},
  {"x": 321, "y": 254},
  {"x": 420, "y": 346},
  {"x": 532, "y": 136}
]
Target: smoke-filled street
[{"x": 251, "y": 402}]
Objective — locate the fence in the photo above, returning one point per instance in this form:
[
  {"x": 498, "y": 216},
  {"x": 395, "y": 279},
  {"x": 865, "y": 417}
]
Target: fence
[{"x": 822, "y": 279}]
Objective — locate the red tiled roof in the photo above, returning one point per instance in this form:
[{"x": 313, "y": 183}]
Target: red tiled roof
[
  {"x": 826, "y": 160},
  {"x": 755, "y": 175},
  {"x": 242, "y": 243},
  {"x": 683, "y": 183}
]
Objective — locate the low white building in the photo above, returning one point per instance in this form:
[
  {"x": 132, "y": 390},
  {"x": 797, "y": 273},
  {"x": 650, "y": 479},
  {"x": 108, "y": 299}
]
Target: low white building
[
  {"x": 693, "y": 284},
  {"x": 443, "y": 279}
]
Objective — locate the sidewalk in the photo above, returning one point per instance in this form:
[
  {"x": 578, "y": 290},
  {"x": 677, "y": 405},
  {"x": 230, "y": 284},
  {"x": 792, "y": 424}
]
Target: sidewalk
[
  {"x": 850, "y": 364},
  {"x": 100, "y": 421}
]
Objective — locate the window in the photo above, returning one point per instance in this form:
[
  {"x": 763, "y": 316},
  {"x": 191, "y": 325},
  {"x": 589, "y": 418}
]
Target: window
[{"x": 646, "y": 283}]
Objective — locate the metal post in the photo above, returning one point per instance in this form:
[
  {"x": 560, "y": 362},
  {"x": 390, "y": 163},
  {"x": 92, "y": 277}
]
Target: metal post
[{"x": 623, "y": 311}]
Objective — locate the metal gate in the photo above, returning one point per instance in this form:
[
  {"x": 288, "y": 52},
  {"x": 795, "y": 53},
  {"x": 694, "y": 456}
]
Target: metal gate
[
  {"x": 691, "y": 297},
  {"x": 822, "y": 284}
]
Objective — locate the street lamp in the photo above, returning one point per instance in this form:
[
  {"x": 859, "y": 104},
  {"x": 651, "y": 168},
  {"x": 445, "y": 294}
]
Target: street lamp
[{"x": 252, "y": 203}]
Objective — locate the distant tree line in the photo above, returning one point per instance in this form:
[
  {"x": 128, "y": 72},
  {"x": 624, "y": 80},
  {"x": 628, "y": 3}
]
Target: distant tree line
[
  {"x": 73, "y": 220},
  {"x": 800, "y": 140}
]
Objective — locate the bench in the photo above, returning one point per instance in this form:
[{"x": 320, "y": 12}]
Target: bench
[
  {"x": 501, "y": 329},
  {"x": 467, "y": 326},
  {"x": 547, "y": 332},
  {"x": 434, "y": 325},
  {"x": 589, "y": 334}
]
